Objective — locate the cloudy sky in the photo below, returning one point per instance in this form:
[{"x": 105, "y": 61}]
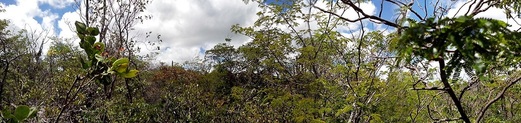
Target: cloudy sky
[{"x": 188, "y": 27}]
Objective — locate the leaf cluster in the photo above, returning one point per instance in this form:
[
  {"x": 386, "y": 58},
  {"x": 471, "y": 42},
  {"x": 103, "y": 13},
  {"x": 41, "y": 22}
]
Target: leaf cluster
[
  {"x": 477, "y": 42},
  {"x": 98, "y": 63}
]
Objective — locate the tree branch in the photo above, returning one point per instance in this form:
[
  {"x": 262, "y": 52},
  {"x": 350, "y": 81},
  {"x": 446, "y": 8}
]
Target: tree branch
[
  {"x": 359, "y": 10},
  {"x": 401, "y": 4},
  {"x": 431, "y": 88},
  {"x": 447, "y": 120},
  {"x": 365, "y": 16},
  {"x": 466, "y": 88},
  {"x": 489, "y": 103},
  {"x": 450, "y": 91}
]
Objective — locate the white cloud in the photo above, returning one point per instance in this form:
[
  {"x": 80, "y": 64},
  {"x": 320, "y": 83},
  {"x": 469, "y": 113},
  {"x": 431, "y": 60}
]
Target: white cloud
[
  {"x": 66, "y": 24},
  {"x": 345, "y": 28},
  {"x": 57, "y": 3},
  {"x": 493, "y": 12},
  {"x": 25, "y": 15},
  {"x": 22, "y": 14},
  {"x": 348, "y": 12},
  {"x": 188, "y": 25}
]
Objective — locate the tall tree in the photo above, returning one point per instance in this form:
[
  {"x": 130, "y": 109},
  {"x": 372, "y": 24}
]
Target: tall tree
[{"x": 454, "y": 42}]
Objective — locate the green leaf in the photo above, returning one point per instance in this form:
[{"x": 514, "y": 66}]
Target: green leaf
[
  {"x": 22, "y": 112},
  {"x": 346, "y": 108},
  {"x": 122, "y": 68},
  {"x": 90, "y": 39},
  {"x": 81, "y": 36},
  {"x": 87, "y": 46},
  {"x": 99, "y": 57},
  {"x": 83, "y": 44},
  {"x": 120, "y": 65},
  {"x": 7, "y": 113},
  {"x": 93, "y": 31},
  {"x": 80, "y": 27},
  {"x": 462, "y": 19},
  {"x": 130, "y": 74}
]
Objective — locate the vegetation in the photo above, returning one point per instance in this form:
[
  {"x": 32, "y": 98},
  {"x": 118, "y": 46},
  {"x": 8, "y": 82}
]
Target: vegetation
[{"x": 428, "y": 67}]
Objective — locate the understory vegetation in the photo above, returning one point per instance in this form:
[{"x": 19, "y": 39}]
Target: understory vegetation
[{"x": 307, "y": 61}]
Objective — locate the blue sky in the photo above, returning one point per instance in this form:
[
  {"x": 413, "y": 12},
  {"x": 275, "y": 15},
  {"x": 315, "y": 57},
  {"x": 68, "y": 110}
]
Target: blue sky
[
  {"x": 46, "y": 6},
  {"x": 9, "y": 2},
  {"x": 188, "y": 27},
  {"x": 387, "y": 13}
]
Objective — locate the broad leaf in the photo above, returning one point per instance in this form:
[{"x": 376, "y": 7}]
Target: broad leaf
[
  {"x": 93, "y": 30},
  {"x": 130, "y": 74},
  {"x": 80, "y": 27},
  {"x": 120, "y": 65},
  {"x": 22, "y": 112}
]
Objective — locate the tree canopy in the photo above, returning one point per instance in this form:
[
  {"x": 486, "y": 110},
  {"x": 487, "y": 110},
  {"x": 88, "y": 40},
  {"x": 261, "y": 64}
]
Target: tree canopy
[{"x": 306, "y": 61}]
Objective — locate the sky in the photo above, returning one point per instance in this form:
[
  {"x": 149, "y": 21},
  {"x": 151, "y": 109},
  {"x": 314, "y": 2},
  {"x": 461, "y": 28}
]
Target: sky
[{"x": 188, "y": 27}]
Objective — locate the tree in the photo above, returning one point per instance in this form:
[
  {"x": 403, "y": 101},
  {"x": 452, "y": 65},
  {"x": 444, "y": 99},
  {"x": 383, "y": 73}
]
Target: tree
[
  {"x": 12, "y": 49},
  {"x": 306, "y": 62},
  {"x": 116, "y": 20},
  {"x": 455, "y": 43}
]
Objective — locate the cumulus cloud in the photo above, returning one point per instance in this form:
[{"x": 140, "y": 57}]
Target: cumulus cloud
[
  {"x": 23, "y": 13},
  {"x": 27, "y": 14},
  {"x": 188, "y": 26},
  {"x": 66, "y": 24}
]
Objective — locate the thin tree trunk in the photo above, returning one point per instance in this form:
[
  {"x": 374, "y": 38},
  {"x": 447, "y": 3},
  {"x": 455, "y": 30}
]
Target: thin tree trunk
[
  {"x": 450, "y": 91},
  {"x": 2, "y": 85}
]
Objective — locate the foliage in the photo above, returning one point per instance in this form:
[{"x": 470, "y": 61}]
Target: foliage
[
  {"x": 96, "y": 62},
  {"x": 477, "y": 42},
  {"x": 21, "y": 113},
  {"x": 290, "y": 71}
]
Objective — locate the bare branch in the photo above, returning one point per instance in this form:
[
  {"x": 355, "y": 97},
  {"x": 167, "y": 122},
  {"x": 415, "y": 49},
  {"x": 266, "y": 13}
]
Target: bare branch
[
  {"x": 365, "y": 16},
  {"x": 359, "y": 10},
  {"x": 489, "y": 103},
  {"x": 401, "y": 4},
  {"x": 477, "y": 11},
  {"x": 467, "y": 88},
  {"x": 431, "y": 88}
]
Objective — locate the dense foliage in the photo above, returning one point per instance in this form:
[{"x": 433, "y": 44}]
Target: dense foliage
[{"x": 288, "y": 72}]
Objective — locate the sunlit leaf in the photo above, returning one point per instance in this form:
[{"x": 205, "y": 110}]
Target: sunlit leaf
[
  {"x": 120, "y": 65},
  {"x": 130, "y": 74}
]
